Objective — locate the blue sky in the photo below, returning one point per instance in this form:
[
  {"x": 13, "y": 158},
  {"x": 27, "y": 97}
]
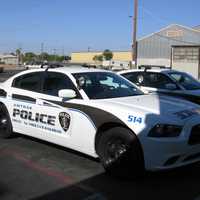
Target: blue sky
[{"x": 73, "y": 25}]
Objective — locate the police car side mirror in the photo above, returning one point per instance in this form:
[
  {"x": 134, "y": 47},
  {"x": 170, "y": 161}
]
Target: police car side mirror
[
  {"x": 67, "y": 94},
  {"x": 171, "y": 86}
]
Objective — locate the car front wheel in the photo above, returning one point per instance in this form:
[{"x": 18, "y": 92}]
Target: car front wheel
[
  {"x": 5, "y": 123},
  {"x": 120, "y": 153}
]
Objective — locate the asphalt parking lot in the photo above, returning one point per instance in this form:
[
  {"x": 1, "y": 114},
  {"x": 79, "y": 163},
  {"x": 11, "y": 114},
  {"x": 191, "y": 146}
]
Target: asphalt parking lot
[{"x": 33, "y": 169}]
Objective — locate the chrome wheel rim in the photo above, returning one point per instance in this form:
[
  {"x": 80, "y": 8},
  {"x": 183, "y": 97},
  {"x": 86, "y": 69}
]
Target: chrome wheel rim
[{"x": 115, "y": 150}]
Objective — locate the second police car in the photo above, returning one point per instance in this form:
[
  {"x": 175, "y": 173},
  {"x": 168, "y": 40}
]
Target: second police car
[
  {"x": 165, "y": 81},
  {"x": 101, "y": 114}
]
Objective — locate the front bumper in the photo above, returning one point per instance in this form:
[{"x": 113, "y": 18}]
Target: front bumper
[{"x": 169, "y": 153}]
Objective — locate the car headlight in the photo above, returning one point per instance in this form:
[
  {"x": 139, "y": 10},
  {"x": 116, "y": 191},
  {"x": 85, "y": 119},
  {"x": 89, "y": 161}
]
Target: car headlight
[{"x": 165, "y": 130}]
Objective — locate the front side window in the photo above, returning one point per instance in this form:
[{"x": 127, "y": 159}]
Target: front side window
[
  {"x": 156, "y": 80},
  {"x": 185, "y": 80},
  {"x": 135, "y": 77},
  {"x": 31, "y": 82},
  {"x": 55, "y": 81},
  {"x": 104, "y": 85}
]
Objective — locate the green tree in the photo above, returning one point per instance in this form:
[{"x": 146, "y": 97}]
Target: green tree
[
  {"x": 19, "y": 55},
  {"x": 29, "y": 56},
  {"x": 44, "y": 56},
  {"x": 107, "y": 54},
  {"x": 67, "y": 58},
  {"x": 18, "y": 52},
  {"x": 60, "y": 58},
  {"x": 97, "y": 58}
]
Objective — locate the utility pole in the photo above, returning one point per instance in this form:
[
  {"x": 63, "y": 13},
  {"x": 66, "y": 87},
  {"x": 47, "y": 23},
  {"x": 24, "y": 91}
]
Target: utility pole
[
  {"x": 63, "y": 51},
  {"x": 54, "y": 52},
  {"x": 42, "y": 51},
  {"x": 42, "y": 47},
  {"x": 19, "y": 53},
  {"x": 134, "y": 45}
]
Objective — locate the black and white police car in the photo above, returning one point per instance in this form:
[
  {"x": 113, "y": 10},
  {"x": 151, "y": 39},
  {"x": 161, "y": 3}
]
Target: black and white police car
[
  {"x": 165, "y": 81},
  {"x": 101, "y": 114}
]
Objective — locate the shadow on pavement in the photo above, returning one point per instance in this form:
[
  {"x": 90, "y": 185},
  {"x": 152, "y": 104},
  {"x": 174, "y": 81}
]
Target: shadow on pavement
[
  {"x": 181, "y": 184},
  {"x": 3, "y": 190}
]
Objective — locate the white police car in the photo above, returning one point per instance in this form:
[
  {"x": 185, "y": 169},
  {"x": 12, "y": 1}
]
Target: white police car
[{"x": 101, "y": 114}]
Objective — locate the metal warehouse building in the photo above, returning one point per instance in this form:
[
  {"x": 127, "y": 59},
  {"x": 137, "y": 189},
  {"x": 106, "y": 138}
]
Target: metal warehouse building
[
  {"x": 187, "y": 59},
  {"x": 154, "y": 49}
]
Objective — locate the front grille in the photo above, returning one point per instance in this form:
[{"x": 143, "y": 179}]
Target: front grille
[{"x": 195, "y": 135}]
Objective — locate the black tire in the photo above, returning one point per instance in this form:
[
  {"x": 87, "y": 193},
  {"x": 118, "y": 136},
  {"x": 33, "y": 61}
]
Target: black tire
[
  {"x": 5, "y": 123},
  {"x": 1, "y": 69},
  {"x": 120, "y": 153}
]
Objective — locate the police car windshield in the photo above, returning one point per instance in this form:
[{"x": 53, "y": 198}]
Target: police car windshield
[
  {"x": 185, "y": 80},
  {"x": 105, "y": 85}
]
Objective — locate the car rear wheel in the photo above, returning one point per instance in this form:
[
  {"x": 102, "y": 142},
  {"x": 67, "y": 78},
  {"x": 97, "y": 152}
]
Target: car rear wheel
[
  {"x": 5, "y": 123},
  {"x": 120, "y": 153}
]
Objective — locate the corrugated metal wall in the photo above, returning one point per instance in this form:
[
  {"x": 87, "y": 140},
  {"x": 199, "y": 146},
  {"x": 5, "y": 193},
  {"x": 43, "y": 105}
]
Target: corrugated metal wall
[{"x": 158, "y": 45}]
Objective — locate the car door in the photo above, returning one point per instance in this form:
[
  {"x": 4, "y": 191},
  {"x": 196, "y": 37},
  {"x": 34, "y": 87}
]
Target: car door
[
  {"x": 36, "y": 110},
  {"x": 24, "y": 107},
  {"x": 74, "y": 129},
  {"x": 56, "y": 126},
  {"x": 158, "y": 82},
  {"x": 32, "y": 111}
]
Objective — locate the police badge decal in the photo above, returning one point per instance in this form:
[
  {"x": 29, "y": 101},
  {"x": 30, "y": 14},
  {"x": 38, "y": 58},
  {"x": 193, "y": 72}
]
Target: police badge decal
[{"x": 64, "y": 120}]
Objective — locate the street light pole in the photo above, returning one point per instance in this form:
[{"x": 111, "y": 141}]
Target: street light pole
[
  {"x": 54, "y": 52},
  {"x": 42, "y": 51},
  {"x": 134, "y": 45}
]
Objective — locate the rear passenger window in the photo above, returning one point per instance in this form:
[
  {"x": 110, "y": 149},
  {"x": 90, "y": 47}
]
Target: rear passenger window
[
  {"x": 136, "y": 78},
  {"x": 31, "y": 82},
  {"x": 56, "y": 81}
]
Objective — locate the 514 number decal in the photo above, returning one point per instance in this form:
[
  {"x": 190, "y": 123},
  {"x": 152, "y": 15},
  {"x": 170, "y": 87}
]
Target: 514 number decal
[{"x": 134, "y": 119}]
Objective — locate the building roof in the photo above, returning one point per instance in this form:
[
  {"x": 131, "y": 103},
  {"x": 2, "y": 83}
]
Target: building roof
[
  {"x": 197, "y": 28},
  {"x": 194, "y": 30},
  {"x": 4, "y": 56}
]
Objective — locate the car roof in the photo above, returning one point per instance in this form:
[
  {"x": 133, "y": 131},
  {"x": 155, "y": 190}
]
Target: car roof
[
  {"x": 157, "y": 70},
  {"x": 76, "y": 69},
  {"x": 68, "y": 69}
]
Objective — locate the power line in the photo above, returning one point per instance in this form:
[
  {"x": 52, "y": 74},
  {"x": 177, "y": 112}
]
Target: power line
[{"x": 156, "y": 18}]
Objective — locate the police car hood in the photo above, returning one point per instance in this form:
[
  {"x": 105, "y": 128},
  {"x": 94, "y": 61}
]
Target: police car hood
[{"x": 152, "y": 104}]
